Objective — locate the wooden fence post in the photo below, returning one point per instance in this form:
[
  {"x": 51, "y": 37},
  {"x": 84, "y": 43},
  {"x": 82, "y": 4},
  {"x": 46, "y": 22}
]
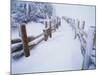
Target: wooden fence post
[
  {"x": 83, "y": 24},
  {"x": 45, "y": 35},
  {"x": 78, "y": 24},
  {"x": 59, "y": 21},
  {"x": 24, "y": 40}
]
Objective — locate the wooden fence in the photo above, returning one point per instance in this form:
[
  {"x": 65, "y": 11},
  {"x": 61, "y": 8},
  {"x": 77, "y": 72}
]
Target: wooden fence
[{"x": 28, "y": 42}]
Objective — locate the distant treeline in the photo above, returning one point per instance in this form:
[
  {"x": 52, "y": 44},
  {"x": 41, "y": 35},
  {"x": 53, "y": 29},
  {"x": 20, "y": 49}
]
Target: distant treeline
[{"x": 26, "y": 11}]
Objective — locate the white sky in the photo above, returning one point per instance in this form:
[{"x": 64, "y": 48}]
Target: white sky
[{"x": 81, "y": 12}]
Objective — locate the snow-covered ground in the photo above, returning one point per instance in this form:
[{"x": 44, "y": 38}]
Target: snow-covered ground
[{"x": 59, "y": 53}]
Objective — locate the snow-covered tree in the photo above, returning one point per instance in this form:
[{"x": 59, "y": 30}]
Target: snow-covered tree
[{"x": 24, "y": 11}]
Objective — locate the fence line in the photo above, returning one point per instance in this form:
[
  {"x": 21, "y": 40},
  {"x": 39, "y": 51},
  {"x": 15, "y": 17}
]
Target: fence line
[
  {"x": 84, "y": 40},
  {"x": 25, "y": 41}
]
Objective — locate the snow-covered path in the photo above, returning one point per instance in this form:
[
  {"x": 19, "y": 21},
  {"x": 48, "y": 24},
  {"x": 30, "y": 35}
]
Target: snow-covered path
[{"x": 61, "y": 52}]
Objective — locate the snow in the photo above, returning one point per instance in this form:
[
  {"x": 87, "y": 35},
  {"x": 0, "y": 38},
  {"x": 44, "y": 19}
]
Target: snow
[
  {"x": 32, "y": 28},
  {"x": 89, "y": 50},
  {"x": 59, "y": 53},
  {"x": 36, "y": 28}
]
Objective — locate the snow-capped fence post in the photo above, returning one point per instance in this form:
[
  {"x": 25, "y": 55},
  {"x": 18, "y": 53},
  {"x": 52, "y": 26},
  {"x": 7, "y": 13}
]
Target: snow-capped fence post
[
  {"x": 24, "y": 40},
  {"x": 54, "y": 25},
  {"x": 59, "y": 21},
  {"x": 46, "y": 24},
  {"x": 45, "y": 31},
  {"x": 83, "y": 24},
  {"x": 50, "y": 30}
]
